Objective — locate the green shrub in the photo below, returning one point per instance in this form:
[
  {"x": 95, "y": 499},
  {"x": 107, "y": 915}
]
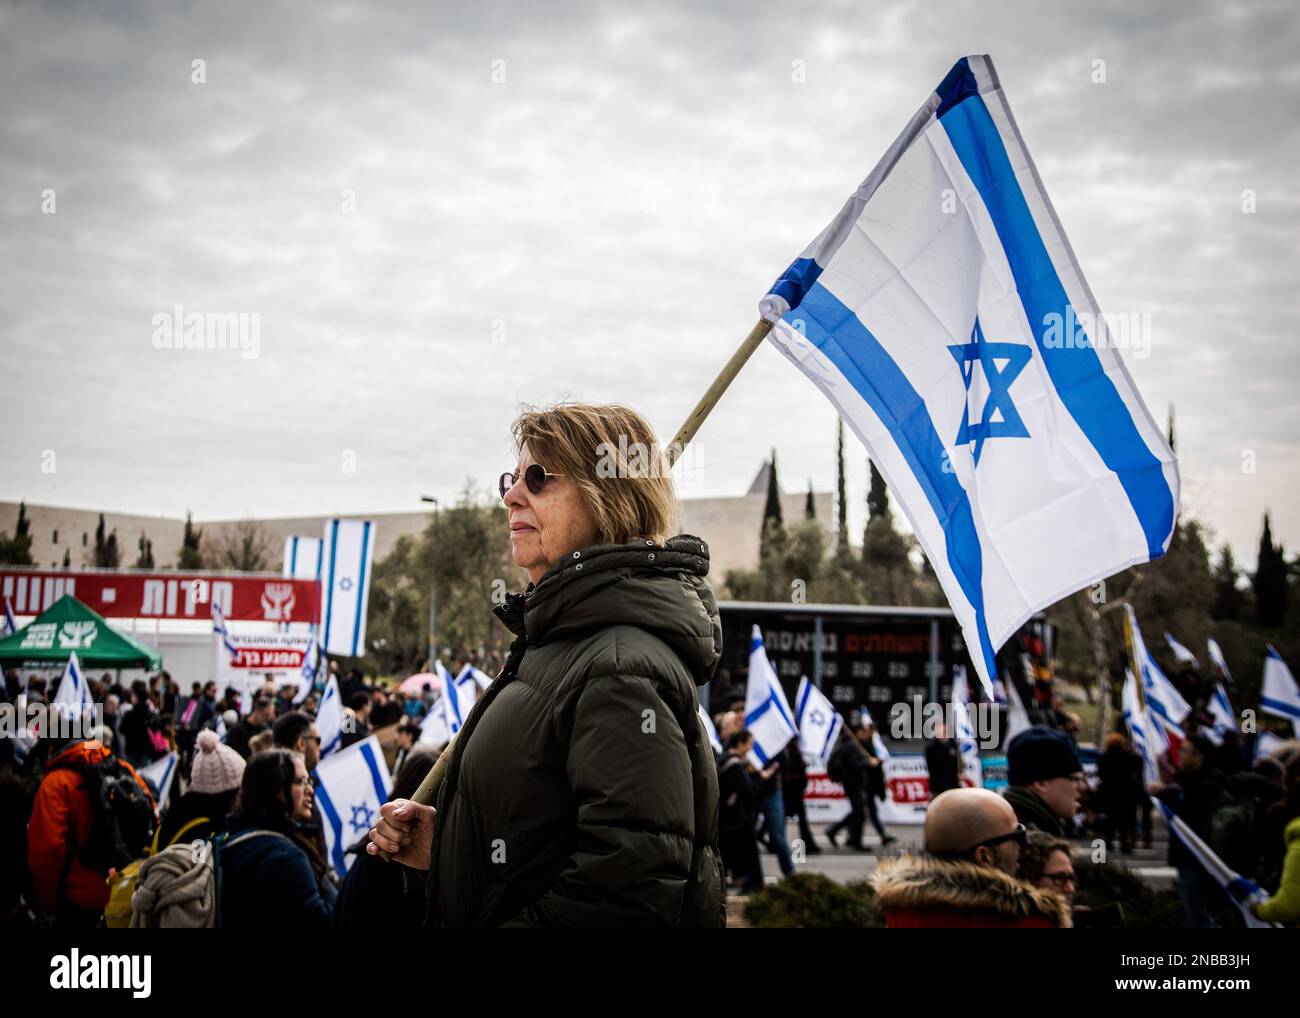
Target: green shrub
[{"x": 814, "y": 901}]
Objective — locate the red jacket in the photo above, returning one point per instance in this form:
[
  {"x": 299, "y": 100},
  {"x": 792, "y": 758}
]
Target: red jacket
[
  {"x": 60, "y": 823},
  {"x": 919, "y": 893}
]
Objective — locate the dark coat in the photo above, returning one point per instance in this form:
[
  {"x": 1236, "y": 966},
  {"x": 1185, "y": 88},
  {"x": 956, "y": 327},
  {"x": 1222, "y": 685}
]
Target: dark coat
[
  {"x": 943, "y": 761},
  {"x": 1032, "y": 811},
  {"x": 582, "y": 790},
  {"x": 268, "y": 883}
]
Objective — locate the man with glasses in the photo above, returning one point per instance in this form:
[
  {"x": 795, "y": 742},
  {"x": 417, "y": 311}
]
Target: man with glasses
[
  {"x": 967, "y": 878},
  {"x": 1045, "y": 779}
]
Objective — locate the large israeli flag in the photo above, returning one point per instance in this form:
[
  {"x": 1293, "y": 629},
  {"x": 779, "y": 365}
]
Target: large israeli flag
[
  {"x": 329, "y": 718},
  {"x": 350, "y": 787},
  {"x": 767, "y": 712},
  {"x": 820, "y": 723},
  {"x": 345, "y": 585},
  {"x": 1279, "y": 694},
  {"x": 303, "y": 557},
  {"x": 944, "y": 314}
]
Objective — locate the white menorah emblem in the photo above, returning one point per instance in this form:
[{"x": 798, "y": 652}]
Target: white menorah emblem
[
  {"x": 75, "y": 635},
  {"x": 277, "y": 601}
]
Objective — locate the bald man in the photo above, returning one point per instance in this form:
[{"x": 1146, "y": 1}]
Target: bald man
[{"x": 968, "y": 876}]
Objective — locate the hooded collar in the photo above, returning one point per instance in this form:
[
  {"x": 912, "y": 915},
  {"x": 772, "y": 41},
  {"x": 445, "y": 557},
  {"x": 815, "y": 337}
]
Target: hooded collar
[
  {"x": 920, "y": 882},
  {"x": 659, "y": 587}
]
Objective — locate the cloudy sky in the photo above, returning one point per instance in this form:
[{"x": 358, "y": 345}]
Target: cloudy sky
[{"x": 440, "y": 211}]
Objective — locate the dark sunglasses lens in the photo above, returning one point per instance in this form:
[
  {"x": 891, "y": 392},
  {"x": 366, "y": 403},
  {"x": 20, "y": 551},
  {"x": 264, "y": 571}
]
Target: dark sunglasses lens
[{"x": 535, "y": 478}]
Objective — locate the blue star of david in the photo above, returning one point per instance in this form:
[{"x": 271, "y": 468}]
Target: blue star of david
[
  {"x": 366, "y": 814},
  {"x": 346, "y": 582},
  {"x": 817, "y": 717},
  {"x": 1000, "y": 418}
]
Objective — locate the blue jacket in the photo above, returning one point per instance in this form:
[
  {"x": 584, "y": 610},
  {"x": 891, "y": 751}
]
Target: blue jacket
[{"x": 267, "y": 882}]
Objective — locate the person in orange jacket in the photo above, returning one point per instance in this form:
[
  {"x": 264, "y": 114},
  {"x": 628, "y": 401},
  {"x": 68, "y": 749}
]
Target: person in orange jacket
[{"x": 60, "y": 826}]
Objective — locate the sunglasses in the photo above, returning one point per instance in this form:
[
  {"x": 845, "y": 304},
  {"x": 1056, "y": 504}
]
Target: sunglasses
[
  {"x": 1020, "y": 836},
  {"x": 535, "y": 477},
  {"x": 1061, "y": 879}
]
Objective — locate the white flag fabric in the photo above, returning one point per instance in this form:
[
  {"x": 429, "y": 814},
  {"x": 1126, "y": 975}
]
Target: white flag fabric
[
  {"x": 1139, "y": 730},
  {"x": 458, "y": 696},
  {"x": 303, "y": 557},
  {"x": 944, "y": 315},
  {"x": 767, "y": 712},
  {"x": 1221, "y": 709},
  {"x": 329, "y": 718},
  {"x": 1181, "y": 653},
  {"x": 11, "y": 624},
  {"x": 712, "y": 732},
  {"x": 222, "y": 631},
  {"x": 1017, "y": 716},
  {"x": 433, "y": 729},
  {"x": 1266, "y": 743},
  {"x": 481, "y": 679},
  {"x": 877, "y": 743},
  {"x": 1217, "y": 658},
  {"x": 1164, "y": 703},
  {"x": 161, "y": 772},
  {"x": 963, "y": 732},
  {"x": 1279, "y": 695},
  {"x": 350, "y": 787},
  {"x": 819, "y": 722},
  {"x": 1240, "y": 891},
  {"x": 74, "y": 691},
  {"x": 311, "y": 661},
  {"x": 345, "y": 585}
]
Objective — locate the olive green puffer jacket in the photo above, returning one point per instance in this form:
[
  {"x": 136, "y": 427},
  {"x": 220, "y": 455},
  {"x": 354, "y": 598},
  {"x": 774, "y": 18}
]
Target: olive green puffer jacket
[{"x": 582, "y": 790}]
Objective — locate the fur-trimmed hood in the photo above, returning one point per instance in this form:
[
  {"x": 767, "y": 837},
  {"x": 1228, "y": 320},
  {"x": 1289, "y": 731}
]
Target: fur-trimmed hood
[{"x": 919, "y": 883}]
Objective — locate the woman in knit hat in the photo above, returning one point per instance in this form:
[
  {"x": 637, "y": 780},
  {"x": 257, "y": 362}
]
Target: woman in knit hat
[{"x": 214, "y": 780}]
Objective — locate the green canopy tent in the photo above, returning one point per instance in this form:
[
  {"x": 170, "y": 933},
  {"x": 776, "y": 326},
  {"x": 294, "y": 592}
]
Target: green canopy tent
[{"x": 68, "y": 626}]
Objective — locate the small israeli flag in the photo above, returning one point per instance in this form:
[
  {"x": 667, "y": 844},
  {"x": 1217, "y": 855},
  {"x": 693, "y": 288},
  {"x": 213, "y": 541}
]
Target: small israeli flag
[
  {"x": 481, "y": 679},
  {"x": 329, "y": 718},
  {"x": 964, "y": 733},
  {"x": 1221, "y": 709},
  {"x": 458, "y": 696},
  {"x": 767, "y": 712},
  {"x": 160, "y": 774},
  {"x": 711, "y": 731},
  {"x": 877, "y": 743},
  {"x": 945, "y": 316},
  {"x": 1017, "y": 716},
  {"x": 222, "y": 631},
  {"x": 819, "y": 722},
  {"x": 1217, "y": 658},
  {"x": 1279, "y": 695},
  {"x": 1138, "y": 730},
  {"x": 345, "y": 585},
  {"x": 311, "y": 661},
  {"x": 11, "y": 624},
  {"x": 1240, "y": 891},
  {"x": 1181, "y": 653},
  {"x": 73, "y": 694},
  {"x": 1164, "y": 703},
  {"x": 303, "y": 557},
  {"x": 350, "y": 787}
]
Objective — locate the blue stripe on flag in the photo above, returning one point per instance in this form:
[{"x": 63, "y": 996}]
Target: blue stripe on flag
[
  {"x": 336, "y": 825},
  {"x": 840, "y": 336},
  {"x": 334, "y": 547},
  {"x": 1280, "y": 707},
  {"x": 796, "y": 281},
  {"x": 958, "y": 84},
  {"x": 361, "y": 579},
  {"x": 381, "y": 793},
  {"x": 1081, "y": 384}
]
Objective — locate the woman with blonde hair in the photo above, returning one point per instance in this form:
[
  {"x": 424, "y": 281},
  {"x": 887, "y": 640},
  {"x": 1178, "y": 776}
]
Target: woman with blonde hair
[{"x": 582, "y": 790}]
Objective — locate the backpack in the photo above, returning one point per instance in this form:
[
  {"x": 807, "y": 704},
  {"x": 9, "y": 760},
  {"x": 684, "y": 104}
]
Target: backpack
[
  {"x": 123, "y": 815},
  {"x": 180, "y": 887},
  {"x": 122, "y": 885}
]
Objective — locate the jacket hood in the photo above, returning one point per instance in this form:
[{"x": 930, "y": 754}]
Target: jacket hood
[
  {"x": 81, "y": 752},
  {"x": 914, "y": 882},
  {"x": 660, "y": 588}
]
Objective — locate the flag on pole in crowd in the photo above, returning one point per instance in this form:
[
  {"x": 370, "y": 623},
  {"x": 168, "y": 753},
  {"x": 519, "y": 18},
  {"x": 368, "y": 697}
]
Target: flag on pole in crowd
[
  {"x": 458, "y": 696},
  {"x": 1240, "y": 891},
  {"x": 160, "y": 774},
  {"x": 1217, "y": 658},
  {"x": 877, "y": 743},
  {"x": 311, "y": 661},
  {"x": 74, "y": 691},
  {"x": 1221, "y": 710},
  {"x": 1017, "y": 716},
  {"x": 223, "y": 631},
  {"x": 350, "y": 787},
  {"x": 1165, "y": 705},
  {"x": 302, "y": 557},
  {"x": 11, "y": 624},
  {"x": 1181, "y": 653},
  {"x": 1266, "y": 743},
  {"x": 345, "y": 585},
  {"x": 711, "y": 731},
  {"x": 819, "y": 722},
  {"x": 1138, "y": 730},
  {"x": 767, "y": 712},
  {"x": 1279, "y": 695},
  {"x": 962, "y": 730},
  {"x": 329, "y": 718},
  {"x": 481, "y": 679},
  {"x": 944, "y": 315}
]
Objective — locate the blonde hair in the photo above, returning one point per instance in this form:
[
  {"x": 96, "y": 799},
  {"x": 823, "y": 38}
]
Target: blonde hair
[{"x": 610, "y": 452}]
